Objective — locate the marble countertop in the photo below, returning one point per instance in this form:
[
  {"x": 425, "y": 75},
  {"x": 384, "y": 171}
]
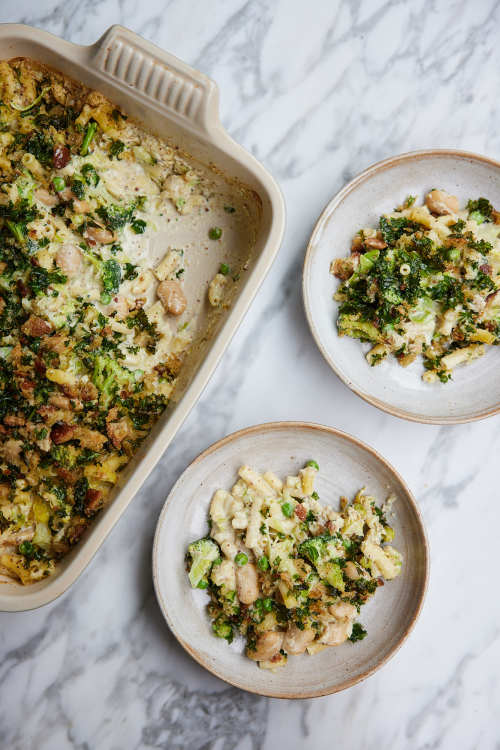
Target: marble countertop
[{"x": 317, "y": 91}]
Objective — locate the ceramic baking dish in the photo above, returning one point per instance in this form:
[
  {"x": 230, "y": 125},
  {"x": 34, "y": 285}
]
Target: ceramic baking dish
[{"x": 179, "y": 104}]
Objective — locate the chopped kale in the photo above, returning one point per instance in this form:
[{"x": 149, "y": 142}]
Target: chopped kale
[
  {"x": 79, "y": 494},
  {"x": 483, "y": 281},
  {"x": 78, "y": 188},
  {"x": 358, "y": 633},
  {"x": 116, "y": 148},
  {"x": 448, "y": 292},
  {"x": 393, "y": 228},
  {"x": 40, "y": 279},
  {"x": 31, "y": 551},
  {"x": 480, "y": 210},
  {"x": 40, "y": 146},
  {"x": 130, "y": 272}
]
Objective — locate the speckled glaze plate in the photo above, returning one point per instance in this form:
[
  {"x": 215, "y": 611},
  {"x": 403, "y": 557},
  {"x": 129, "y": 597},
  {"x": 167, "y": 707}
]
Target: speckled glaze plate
[
  {"x": 474, "y": 392},
  {"x": 346, "y": 465}
]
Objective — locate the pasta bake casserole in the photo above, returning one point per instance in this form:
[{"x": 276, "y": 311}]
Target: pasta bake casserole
[
  {"x": 287, "y": 572},
  {"x": 425, "y": 283},
  {"x": 93, "y": 331}
]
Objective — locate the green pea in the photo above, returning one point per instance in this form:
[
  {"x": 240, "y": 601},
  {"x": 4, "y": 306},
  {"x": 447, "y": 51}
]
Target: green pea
[
  {"x": 59, "y": 183},
  {"x": 313, "y": 464},
  {"x": 224, "y": 269},
  {"x": 105, "y": 298},
  {"x": 267, "y": 604},
  {"x": 241, "y": 559},
  {"x": 263, "y": 563},
  {"x": 215, "y": 233},
  {"x": 287, "y": 509}
]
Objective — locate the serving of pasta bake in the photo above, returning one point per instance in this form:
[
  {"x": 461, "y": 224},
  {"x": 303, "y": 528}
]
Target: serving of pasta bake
[
  {"x": 287, "y": 572},
  {"x": 424, "y": 284},
  {"x": 94, "y": 326}
]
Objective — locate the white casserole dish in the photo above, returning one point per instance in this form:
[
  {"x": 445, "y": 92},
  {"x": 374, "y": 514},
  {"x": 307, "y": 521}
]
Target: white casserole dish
[{"x": 179, "y": 104}]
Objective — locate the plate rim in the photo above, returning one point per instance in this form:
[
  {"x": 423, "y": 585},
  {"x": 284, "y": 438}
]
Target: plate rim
[
  {"x": 313, "y": 427},
  {"x": 330, "y": 207}
]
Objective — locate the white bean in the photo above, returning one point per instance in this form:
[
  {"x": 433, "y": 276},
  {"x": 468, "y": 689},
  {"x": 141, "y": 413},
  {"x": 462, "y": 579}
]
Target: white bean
[
  {"x": 343, "y": 611},
  {"x": 172, "y": 297},
  {"x": 247, "y": 584},
  {"x": 351, "y": 571},
  {"x": 103, "y": 236},
  {"x": 267, "y": 645},
  {"x": 296, "y": 641},
  {"x": 69, "y": 259},
  {"x": 336, "y": 633},
  {"x": 439, "y": 202}
]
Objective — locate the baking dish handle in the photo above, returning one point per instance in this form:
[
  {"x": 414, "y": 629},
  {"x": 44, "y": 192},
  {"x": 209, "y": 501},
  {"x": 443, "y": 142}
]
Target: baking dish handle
[{"x": 158, "y": 76}]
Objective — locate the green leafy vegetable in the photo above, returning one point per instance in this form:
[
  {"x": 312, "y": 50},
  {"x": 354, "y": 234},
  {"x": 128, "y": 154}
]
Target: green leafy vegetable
[
  {"x": 480, "y": 210},
  {"x": 80, "y": 494},
  {"x": 111, "y": 276},
  {"x": 358, "y": 633},
  {"x": 88, "y": 138},
  {"x": 40, "y": 279},
  {"x": 222, "y": 628},
  {"x": 90, "y": 175},
  {"x": 40, "y": 146},
  {"x": 130, "y": 272},
  {"x": 116, "y": 148},
  {"x": 202, "y": 554},
  {"x": 115, "y": 217},
  {"x": 138, "y": 226}
]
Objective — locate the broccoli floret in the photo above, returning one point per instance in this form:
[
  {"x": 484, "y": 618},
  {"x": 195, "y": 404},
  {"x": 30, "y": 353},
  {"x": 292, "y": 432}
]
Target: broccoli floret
[
  {"x": 331, "y": 572},
  {"x": 90, "y": 175},
  {"x": 321, "y": 552},
  {"x": 62, "y": 456},
  {"x": 108, "y": 376},
  {"x": 111, "y": 276},
  {"x": 203, "y": 552},
  {"x": 318, "y": 549},
  {"x": 312, "y": 549},
  {"x": 115, "y": 217},
  {"x": 223, "y": 629},
  {"x": 110, "y": 272}
]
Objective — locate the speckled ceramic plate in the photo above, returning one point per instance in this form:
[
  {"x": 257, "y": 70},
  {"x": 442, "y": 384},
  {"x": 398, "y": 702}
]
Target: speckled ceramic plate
[
  {"x": 346, "y": 465},
  {"x": 474, "y": 392}
]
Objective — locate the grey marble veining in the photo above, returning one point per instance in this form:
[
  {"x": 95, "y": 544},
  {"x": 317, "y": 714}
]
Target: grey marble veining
[{"x": 317, "y": 91}]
